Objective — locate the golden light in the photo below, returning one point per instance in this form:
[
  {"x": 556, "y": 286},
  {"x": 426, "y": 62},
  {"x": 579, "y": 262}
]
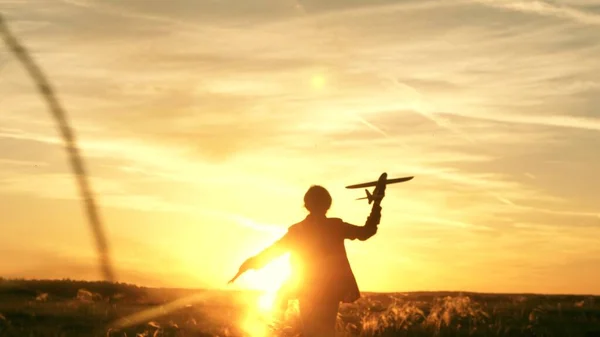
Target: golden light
[
  {"x": 255, "y": 326},
  {"x": 271, "y": 277},
  {"x": 318, "y": 81},
  {"x": 260, "y": 314},
  {"x": 266, "y": 301},
  {"x": 267, "y": 280}
]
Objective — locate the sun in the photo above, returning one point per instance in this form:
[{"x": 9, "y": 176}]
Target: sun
[
  {"x": 268, "y": 280},
  {"x": 266, "y": 301},
  {"x": 318, "y": 81},
  {"x": 271, "y": 277}
]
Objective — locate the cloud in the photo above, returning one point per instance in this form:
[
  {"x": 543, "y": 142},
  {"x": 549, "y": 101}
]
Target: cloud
[
  {"x": 547, "y": 8},
  {"x": 555, "y": 121}
]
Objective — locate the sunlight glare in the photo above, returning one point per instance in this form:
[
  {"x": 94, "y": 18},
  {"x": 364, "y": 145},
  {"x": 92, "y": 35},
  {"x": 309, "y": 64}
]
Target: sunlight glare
[
  {"x": 271, "y": 277},
  {"x": 255, "y": 326},
  {"x": 268, "y": 281},
  {"x": 266, "y": 301}
]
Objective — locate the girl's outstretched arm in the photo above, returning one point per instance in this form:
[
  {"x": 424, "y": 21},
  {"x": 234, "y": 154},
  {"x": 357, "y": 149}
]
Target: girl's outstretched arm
[{"x": 258, "y": 261}]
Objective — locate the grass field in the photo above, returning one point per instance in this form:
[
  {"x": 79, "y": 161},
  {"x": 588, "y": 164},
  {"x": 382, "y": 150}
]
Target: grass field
[{"x": 71, "y": 308}]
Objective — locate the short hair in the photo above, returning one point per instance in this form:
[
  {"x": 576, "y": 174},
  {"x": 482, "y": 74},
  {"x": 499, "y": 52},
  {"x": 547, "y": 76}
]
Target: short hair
[{"x": 317, "y": 200}]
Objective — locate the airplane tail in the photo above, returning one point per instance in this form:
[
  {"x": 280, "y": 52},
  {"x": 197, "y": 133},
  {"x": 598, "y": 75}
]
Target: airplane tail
[{"x": 369, "y": 196}]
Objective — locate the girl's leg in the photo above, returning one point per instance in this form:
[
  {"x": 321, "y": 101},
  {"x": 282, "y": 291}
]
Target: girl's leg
[{"x": 319, "y": 316}]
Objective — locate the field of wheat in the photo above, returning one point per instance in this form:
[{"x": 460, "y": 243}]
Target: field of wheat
[{"x": 69, "y": 308}]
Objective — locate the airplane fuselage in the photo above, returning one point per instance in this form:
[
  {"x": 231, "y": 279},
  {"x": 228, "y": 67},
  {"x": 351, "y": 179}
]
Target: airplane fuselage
[
  {"x": 379, "y": 191},
  {"x": 380, "y": 185}
]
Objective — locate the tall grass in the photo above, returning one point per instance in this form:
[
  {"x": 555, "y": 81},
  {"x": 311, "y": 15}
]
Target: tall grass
[
  {"x": 463, "y": 315},
  {"x": 76, "y": 309}
]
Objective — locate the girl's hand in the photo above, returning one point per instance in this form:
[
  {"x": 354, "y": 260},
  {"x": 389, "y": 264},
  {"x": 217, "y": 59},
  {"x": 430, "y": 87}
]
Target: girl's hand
[{"x": 248, "y": 264}]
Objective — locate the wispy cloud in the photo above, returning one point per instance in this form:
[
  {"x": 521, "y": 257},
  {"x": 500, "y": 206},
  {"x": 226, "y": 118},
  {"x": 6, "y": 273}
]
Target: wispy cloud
[
  {"x": 545, "y": 120},
  {"x": 546, "y": 8}
]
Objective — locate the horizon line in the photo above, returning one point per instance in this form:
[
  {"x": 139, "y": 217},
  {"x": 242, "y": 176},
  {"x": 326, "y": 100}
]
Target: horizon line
[{"x": 4, "y": 279}]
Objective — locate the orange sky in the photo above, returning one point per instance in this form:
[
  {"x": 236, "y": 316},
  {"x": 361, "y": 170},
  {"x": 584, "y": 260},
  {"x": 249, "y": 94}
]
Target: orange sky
[{"x": 204, "y": 122}]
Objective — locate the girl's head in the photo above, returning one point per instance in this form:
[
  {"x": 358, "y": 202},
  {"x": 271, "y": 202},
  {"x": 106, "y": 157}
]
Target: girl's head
[{"x": 317, "y": 200}]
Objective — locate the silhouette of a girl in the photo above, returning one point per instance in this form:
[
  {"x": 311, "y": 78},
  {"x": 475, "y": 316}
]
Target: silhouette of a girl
[{"x": 321, "y": 275}]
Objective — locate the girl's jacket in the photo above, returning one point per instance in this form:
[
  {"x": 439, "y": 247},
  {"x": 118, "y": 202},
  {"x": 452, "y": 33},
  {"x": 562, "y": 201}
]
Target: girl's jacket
[{"x": 318, "y": 257}]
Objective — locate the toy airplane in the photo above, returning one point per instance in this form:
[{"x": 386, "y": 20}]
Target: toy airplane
[{"x": 380, "y": 185}]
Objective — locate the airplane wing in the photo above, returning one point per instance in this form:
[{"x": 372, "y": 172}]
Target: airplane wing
[
  {"x": 398, "y": 180},
  {"x": 374, "y": 183}
]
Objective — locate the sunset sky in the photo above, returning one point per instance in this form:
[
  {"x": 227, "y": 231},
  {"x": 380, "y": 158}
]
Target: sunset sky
[{"x": 203, "y": 123}]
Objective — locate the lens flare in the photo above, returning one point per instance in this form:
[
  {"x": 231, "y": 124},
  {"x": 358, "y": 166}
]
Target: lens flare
[
  {"x": 264, "y": 308},
  {"x": 266, "y": 301},
  {"x": 270, "y": 278}
]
